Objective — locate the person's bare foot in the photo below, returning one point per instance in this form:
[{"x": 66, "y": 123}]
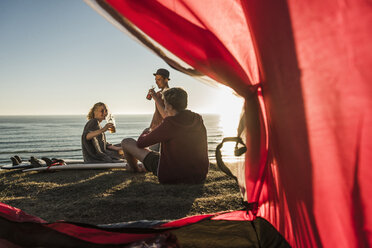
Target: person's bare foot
[
  {"x": 131, "y": 168},
  {"x": 137, "y": 168},
  {"x": 141, "y": 168}
]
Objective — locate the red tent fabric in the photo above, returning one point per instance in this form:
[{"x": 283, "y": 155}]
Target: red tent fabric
[
  {"x": 18, "y": 229},
  {"x": 304, "y": 70}
]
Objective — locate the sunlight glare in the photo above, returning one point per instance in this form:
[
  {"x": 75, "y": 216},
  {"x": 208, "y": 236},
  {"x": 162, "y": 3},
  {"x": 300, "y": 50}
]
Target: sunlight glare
[{"x": 229, "y": 109}]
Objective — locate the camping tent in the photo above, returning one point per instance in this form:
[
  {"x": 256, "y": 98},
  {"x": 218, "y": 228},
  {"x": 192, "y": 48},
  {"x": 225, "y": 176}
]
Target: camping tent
[
  {"x": 18, "y": 229},
  {"x": 303, "y": 69}
]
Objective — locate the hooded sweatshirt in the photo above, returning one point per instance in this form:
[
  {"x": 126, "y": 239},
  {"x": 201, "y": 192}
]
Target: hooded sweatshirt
[{"x": 184, "y": 148}]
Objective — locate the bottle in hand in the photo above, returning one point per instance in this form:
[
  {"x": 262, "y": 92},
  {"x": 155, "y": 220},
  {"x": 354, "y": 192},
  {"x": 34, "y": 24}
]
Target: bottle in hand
[
  {"x": 111, "y": 119},
  {"x": 149, "y": 97}
]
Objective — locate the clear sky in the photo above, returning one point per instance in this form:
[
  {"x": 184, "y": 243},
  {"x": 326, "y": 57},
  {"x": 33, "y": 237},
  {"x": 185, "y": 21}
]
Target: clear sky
[{"x": 60, "y": 57}]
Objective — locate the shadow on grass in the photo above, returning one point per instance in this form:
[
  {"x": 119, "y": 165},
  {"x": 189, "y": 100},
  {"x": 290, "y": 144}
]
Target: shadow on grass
[{"x": 99, "y": 196}]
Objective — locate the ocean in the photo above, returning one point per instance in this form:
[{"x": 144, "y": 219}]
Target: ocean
[{"x": 60, "y": 136}]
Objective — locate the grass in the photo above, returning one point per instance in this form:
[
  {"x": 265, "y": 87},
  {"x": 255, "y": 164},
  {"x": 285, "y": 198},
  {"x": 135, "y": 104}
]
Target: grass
[{"x": 116, "y": 195}]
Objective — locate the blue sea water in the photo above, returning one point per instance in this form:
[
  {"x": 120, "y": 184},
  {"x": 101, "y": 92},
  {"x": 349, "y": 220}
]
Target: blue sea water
[{"x": 60, "y": 136}]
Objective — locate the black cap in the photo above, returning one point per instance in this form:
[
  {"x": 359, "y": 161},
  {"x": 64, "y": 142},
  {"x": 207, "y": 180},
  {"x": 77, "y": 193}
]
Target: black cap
[{"x": 162, "y": 72}]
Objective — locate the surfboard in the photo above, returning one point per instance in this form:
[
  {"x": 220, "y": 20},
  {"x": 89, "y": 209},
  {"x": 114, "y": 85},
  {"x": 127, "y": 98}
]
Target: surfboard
[
  {"x": 20, "y": 166},
  {"x": 80, "y": 166},
  {"x": 27, "y": 165}
]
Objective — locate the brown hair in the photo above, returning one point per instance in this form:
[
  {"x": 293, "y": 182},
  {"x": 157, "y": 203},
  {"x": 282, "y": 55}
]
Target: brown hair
[
  {"x": 95, "y": 106},
  {"x": 177, "y": 97}
]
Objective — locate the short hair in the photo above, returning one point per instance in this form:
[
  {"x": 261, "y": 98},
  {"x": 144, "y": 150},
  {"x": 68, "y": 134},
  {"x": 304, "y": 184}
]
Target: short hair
[
  {"x": 177, "y": 97},
  {"x": 95, "y": 106}
]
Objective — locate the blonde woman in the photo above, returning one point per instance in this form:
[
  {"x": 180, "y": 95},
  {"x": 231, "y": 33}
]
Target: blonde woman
[{"x": 93, "y": 140}]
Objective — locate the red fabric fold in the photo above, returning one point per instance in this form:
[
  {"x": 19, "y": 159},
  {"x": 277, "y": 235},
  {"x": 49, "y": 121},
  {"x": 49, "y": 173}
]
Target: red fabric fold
[{"x": 308, "y": 135}]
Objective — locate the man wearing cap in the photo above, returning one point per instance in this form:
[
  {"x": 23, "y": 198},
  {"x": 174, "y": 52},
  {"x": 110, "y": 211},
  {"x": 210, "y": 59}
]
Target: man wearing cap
[{"x": 161, "y": 79}]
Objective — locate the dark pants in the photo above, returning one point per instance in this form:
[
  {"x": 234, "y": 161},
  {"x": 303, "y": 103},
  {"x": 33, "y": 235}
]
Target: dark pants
[{"x": 151, "y": 162}]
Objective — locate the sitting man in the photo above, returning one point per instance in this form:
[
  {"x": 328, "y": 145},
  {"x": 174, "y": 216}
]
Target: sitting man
[{"x": 183, "y": 138}]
